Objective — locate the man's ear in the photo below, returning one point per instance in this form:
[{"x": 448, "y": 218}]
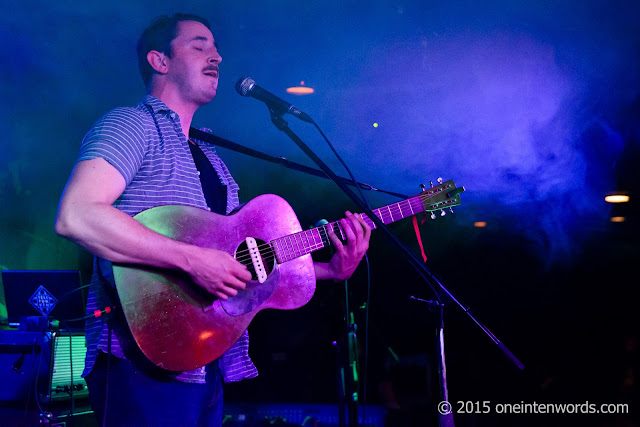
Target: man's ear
[{"x": 158, "y": 61}]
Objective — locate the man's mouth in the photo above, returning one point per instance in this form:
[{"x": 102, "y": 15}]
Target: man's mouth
[{"x": 212, "y": 72}]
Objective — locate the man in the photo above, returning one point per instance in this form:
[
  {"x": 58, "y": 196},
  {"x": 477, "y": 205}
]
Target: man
[{"x": 135, "y": 158}]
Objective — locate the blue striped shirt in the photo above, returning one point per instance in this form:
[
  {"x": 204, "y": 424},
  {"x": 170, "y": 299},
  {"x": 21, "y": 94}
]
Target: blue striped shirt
[{"x": 147, "y": 146}]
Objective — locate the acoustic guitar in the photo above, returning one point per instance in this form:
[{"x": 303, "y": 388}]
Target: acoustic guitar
[{"x": 180, "y": 327}]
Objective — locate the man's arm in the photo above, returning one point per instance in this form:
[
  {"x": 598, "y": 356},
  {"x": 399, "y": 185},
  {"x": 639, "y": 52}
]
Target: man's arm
[
  {"x": 86, "y": 216},
  {"x": 347, "y": 257}
]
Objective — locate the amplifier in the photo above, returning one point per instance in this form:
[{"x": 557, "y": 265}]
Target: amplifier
[{"x": 43, "y": 364}]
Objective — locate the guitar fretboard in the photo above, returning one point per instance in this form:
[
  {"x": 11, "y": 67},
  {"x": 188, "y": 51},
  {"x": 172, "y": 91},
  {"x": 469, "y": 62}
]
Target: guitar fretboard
[{"x": 304, "y": 242}]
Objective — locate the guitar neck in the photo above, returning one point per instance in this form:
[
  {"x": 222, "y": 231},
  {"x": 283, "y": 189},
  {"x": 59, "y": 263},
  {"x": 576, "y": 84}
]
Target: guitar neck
[{"x": 304, "y": 242}]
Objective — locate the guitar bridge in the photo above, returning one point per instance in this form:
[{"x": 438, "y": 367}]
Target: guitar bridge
[{"x": 256, "y": 259}]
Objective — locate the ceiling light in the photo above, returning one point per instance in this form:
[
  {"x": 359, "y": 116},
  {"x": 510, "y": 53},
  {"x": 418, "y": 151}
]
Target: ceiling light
[
  {"x": 300, "y": 90},
  {"x": 617, "y": 198}
]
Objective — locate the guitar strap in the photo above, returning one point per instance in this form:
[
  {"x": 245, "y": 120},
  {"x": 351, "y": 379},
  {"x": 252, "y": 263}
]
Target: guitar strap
[
  {"x": 418, "y": 236},
  {"x": 215, "y": 193}
]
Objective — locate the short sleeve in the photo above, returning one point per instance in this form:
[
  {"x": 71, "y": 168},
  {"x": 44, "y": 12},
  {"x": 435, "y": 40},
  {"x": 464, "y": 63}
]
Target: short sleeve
[{"x": 119, "y": 138}]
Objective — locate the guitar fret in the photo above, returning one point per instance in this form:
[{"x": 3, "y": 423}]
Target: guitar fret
[
  {"x": 381, "y": 216},
  {"x": 402, "y": 206},
  {"x": 342, "y": 235},
  {"x": 310, "y": 244},
  {"x": 368, "y": 221},
  {"x": 410, "y": 207},
  {"x": 397, "y": 208},
  {"x": 299, "y": 244},
  {"x": 314, "y": 244},
  {"x": 290, "y": 247},
  {"x": 319, "y": 231},
  {"x": 282, "y": 246},
  {"x": 306, "y": 242}
]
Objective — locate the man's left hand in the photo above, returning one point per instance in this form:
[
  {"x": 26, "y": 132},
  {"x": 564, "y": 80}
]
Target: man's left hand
[{"x": 347, "y": 257}]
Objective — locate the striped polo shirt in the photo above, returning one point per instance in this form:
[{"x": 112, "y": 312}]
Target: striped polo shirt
[{"x": 147, "y": 146}]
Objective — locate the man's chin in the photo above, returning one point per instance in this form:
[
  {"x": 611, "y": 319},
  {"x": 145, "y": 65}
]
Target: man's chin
[{"x": 207, "y": 97}]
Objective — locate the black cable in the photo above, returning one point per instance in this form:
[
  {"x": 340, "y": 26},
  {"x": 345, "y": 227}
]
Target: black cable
[
  {"x": 366, "y": 343},
  {"x": 72, "y": 291},
  {"x": 355, "y": 183},
  {"x": 35, "y": 388},
  {"x": 73, "y": 402},
  {"x": 106, "y": 384}
]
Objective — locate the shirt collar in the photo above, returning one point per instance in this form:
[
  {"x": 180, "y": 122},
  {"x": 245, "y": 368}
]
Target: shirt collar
[{"x": 156, "y": 105}]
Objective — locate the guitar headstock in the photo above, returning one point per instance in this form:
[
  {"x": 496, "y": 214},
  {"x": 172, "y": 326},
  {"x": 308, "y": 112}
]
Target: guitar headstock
[{"x": 444, "y": 195}]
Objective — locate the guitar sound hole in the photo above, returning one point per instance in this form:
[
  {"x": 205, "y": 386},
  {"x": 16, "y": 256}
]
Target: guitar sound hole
[{"x": 266, "y": 254}]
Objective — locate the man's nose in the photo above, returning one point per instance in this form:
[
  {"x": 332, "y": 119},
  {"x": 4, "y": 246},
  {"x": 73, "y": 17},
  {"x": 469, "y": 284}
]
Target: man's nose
[{"x": 215, "y": 58}]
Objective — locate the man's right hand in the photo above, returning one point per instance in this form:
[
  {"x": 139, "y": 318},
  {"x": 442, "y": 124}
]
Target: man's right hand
[
  {"x": 87, "y": 217},
  {"x": 217, "y": 272}
]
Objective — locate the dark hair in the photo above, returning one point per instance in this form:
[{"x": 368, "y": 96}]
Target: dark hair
[{"x": 158, "y": 36}]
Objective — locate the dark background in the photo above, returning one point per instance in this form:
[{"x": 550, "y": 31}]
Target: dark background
[{"x": 532, "y": 106}]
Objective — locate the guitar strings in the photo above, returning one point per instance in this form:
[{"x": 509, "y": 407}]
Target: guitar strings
[{"x": 244, "y": 256}]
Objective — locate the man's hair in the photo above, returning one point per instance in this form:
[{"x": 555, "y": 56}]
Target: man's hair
[{"x": 158, "y": 36}]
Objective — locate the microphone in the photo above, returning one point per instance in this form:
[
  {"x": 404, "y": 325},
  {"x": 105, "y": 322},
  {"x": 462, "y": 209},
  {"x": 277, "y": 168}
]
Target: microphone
[{"x": 247, "y": 87}]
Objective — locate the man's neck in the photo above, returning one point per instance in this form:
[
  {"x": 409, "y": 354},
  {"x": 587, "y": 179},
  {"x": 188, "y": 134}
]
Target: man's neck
[{"x": 185, "y": 110}]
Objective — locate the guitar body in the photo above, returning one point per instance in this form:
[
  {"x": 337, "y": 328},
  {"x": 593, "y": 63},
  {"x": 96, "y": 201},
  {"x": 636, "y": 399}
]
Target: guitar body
[{"x": 179, "y": 326}]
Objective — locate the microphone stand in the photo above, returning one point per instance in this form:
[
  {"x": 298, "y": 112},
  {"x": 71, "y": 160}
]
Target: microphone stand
[{"x": 419, "y": 267}]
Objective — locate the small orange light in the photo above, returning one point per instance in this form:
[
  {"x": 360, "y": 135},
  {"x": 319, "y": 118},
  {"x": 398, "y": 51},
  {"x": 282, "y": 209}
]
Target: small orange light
[
  {"x": 617, "y": 219},
  {"x": 480, "y": 224},
  {"x": 617, "y": 198}
]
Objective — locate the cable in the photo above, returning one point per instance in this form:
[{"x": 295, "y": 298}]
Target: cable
[
  {"x": 35, "y": 388},
  {"x": 72, "y": 291},
  {"x": 94, "y": 315},
  {"x": 355, "y": 183},
  {"x": 73, "y": 402},
  {"x": 106, "y": 385},
  {"x": 366, "y": 343}
]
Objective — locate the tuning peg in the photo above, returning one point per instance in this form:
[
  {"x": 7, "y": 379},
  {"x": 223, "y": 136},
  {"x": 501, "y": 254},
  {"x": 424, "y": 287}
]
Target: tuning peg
[
  {"x": 439, "y": 180},
  {"x": 431, "y": 184},
  {"x": 442, "y": 212},
  {"x": 422, "y": 187},
  {"x": 433, "y": 215},
  {"x": 451, "y": 209}
]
